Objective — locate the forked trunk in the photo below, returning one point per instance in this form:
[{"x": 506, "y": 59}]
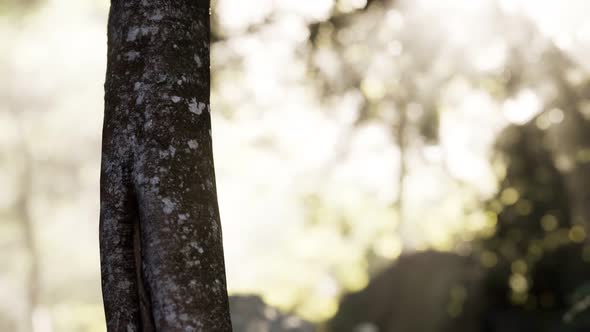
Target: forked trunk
[{"x": 160, "y": 236}]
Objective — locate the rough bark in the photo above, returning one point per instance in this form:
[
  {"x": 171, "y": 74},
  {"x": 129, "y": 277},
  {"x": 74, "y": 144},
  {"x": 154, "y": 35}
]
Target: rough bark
[{"x": 160, "y": 236}]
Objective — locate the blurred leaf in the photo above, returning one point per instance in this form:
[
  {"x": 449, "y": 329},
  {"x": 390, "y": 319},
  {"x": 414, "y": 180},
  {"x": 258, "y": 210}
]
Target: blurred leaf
[{"x": 579, "y": 312}]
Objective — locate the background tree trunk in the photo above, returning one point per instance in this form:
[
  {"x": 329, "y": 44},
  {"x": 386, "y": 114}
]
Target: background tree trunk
[
  {"x": 161, "y": 244},
  {"x": 29, "y": 232}
]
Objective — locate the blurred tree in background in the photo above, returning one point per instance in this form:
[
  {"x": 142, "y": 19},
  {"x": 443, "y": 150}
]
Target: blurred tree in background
[{"x": 346, "y": 132}]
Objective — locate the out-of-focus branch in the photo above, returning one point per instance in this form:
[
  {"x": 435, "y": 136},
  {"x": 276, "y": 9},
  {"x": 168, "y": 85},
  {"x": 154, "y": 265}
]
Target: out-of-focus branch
[{"x": 28, "y": 227}]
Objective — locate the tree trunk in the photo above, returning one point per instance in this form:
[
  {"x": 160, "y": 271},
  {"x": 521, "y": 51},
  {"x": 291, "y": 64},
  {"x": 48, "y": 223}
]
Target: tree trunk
[
  {"x": 160, "y": 236},
  {"x": 29, "y": 241}
]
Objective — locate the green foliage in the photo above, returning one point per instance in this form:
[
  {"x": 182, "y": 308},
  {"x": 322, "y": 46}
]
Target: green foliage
[
  {"x": 579, "y": 312},
  {"x": 17, "y": 7}
]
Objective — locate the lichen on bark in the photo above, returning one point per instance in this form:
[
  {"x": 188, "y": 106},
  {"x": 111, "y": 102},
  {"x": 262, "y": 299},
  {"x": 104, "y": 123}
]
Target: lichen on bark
[{"x": 161, "y": 249}]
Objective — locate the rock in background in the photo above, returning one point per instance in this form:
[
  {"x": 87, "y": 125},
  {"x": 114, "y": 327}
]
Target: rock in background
[{"x": 250, "y": 314}]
